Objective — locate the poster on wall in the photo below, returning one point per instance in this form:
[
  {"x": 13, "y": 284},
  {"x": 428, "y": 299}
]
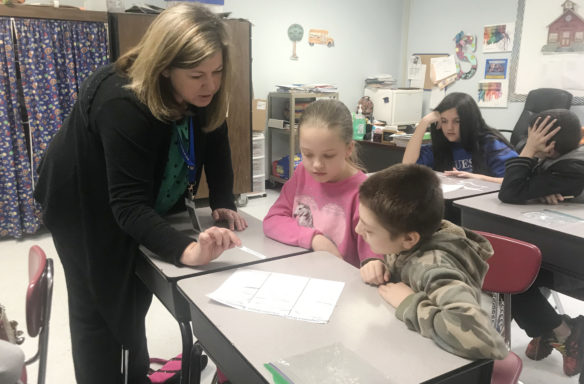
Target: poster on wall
[
  {"x": 466, "y": 46},
  {"x": 320, "y": 37},
  {"x": 295, "y": 34},
  {"x": 551, "y": 48},
  {"x": 492, "y": 94},
  {"x": 498, "y": 38},
  {"x": 496, "y": 69}
]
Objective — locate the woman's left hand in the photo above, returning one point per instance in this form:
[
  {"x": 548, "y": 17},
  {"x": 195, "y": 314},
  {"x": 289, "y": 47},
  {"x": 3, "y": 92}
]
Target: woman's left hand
[{"x": 233, "y": 219}]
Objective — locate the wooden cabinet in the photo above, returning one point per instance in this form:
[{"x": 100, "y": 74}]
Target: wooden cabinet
[{"x": 126, "y": 30}]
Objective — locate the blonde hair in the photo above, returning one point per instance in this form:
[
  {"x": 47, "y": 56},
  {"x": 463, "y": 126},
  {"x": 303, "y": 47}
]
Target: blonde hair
[
  {"x": 182, "y": 36},
  {"x": 335, "y": 116}
]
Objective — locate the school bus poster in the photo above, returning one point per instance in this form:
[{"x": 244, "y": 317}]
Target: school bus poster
[{"x": 320, "y": 36}]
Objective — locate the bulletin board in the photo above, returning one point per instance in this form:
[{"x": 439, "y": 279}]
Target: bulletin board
[
  {"x": 425, "y": 59},
  {"x": 534, "y": 65}
]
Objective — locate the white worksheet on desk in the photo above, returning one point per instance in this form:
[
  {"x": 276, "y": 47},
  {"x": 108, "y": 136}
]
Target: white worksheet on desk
[
  {"x": 292, "y": 296},
  {"x": 450, "y": 187}
]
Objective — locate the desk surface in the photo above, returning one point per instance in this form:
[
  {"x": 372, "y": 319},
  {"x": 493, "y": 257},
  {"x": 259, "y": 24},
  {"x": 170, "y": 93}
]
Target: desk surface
[
  {"x": 468, "y": 187},
  {"x": 558, "y": 230},
  {"x": 362, "y": 322},
  {"x": 253, "y": 237},
  {"x": 567, "y": 218}
]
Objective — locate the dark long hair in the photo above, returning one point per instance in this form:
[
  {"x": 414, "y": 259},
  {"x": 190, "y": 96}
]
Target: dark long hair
[{"x": 475, "y": 134}]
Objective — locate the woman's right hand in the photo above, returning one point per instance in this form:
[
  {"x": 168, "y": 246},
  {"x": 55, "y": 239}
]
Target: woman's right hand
[
  {"x": 412, "y": 152},
  {"x": 212, "y": 243},
  {"x": 429, "y": 119}
]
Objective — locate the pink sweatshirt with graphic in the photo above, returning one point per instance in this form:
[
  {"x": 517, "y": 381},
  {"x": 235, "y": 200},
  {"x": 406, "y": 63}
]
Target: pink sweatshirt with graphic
[{"x": 307, "y": 208}]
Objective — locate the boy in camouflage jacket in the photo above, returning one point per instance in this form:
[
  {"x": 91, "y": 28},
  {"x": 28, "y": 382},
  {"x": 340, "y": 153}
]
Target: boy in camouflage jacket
[{"x": 433, "y": 270}]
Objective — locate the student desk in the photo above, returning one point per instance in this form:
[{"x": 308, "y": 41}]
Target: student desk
[
  {"x": 161, "y": 277},
  {"x": 561, "y": 243},
  {"x": 469, "y": 188},
  {"x": 240, "y": 342}
]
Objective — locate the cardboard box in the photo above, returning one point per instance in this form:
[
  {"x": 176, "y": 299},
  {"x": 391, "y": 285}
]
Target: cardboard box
[{"x": 259, "y": 115}]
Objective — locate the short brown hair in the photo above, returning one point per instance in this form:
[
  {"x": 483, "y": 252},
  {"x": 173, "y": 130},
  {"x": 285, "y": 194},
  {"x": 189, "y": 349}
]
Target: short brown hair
[
  {"x": 405, "y": 198},
  {"x": 569, "y": 136},
  {"x": 182, "y": 36}
]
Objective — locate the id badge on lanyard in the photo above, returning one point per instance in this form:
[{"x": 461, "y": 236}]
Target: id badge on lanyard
[{"x": 190, "y": 160}]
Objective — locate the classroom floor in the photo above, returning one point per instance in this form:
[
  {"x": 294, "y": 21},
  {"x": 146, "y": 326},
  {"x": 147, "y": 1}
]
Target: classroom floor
[{"x": 162, "y": 329}]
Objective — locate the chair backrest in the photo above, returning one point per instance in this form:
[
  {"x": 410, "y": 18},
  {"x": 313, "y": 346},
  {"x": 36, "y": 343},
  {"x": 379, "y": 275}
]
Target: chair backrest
[
  {"x": 512, "y": 269},
  {"x": 538, "y": 100},
  {"x": 514, "y": 265},
  {"x": 38, "y": 304}
]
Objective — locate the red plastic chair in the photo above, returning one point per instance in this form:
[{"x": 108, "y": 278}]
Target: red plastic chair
[
  {"x": 38, "y": 307},
  {"x": 512, "y": 269}
]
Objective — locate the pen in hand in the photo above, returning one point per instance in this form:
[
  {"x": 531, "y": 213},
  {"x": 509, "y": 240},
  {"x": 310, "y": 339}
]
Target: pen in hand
[{"x": 252, "y": 252}]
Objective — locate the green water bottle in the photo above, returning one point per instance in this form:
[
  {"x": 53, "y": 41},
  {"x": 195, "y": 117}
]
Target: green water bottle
[{"x": 359, "y": 124}]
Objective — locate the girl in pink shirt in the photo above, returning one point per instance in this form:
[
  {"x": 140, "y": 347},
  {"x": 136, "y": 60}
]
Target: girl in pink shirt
[{"x": 318, "y": 207}]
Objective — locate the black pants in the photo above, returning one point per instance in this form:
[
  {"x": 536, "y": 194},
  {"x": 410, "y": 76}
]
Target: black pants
[
  {"x": 532, "y": 311},
  {"x": 97, "y": 350}
]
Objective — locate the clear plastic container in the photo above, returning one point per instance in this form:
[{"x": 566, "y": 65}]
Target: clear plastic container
[
  {"x": 258, "y": 145},
  {"x": 258, "y": 165},
  {"x": 259, "y": 183}
]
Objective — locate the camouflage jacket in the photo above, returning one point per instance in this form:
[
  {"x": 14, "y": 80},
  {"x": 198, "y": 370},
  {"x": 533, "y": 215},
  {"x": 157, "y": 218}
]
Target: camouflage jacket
[{"x": 446, "y": 273}]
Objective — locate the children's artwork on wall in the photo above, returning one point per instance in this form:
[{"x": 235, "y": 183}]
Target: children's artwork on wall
[
  {"x": 466, "y": 46},
  {"x": 566, "y": 32},
  {"x": 492, "y": 94},
  {"x": 549, "y": 48},
  {"x": 496, "y": 69},
  {"x": 295, "y": 33},
  {"x": 498, "y": 38},
  {"x": 320, "y": 36}
]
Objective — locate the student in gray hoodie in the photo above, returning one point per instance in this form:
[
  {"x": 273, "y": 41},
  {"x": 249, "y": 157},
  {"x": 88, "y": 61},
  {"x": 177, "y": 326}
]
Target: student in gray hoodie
[{"x": 433, "y": 270}]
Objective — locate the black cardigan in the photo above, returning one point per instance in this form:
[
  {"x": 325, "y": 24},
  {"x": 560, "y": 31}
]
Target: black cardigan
[{"x": 100, "y": 177}]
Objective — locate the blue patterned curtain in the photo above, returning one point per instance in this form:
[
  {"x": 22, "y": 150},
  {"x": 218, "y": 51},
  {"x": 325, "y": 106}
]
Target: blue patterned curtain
[
  {"x": 17, "y": 210},
  {"x": 55, "y": 56}
]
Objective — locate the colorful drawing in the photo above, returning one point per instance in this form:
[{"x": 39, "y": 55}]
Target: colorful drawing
[
  {"x": 320, "y": 36},
  {"x": 498, "y": 38},
  {"x": 492, "y": 94},
  {"x": 496, "y": 69},
  {"x": 565, "y": 33},
  {"x": 465, "y": 47},
  {"x": 295, "y": 33}
]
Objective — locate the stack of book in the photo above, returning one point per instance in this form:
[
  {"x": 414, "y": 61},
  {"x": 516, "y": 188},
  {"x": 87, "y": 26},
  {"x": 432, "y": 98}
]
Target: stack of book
[{"x": 402, "y": 140}]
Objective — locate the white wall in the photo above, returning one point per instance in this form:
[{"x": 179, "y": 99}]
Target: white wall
[
  {"x": 372, "y": 36},
  {"x": 367, "y": 38},
  {"x": 367, "y": 41},
  {"x": 432, "y": 27}
]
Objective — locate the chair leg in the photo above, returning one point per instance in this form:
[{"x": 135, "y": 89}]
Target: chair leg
[
  {"x": 198, "y": 363},
  {"x": 507, "y": 320},
  {"x": 187, "y": 344},
  {"x": 558, "y": 302},
  {"x": 125, "y": 364},
  {"x": 43, "y": 352}
]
